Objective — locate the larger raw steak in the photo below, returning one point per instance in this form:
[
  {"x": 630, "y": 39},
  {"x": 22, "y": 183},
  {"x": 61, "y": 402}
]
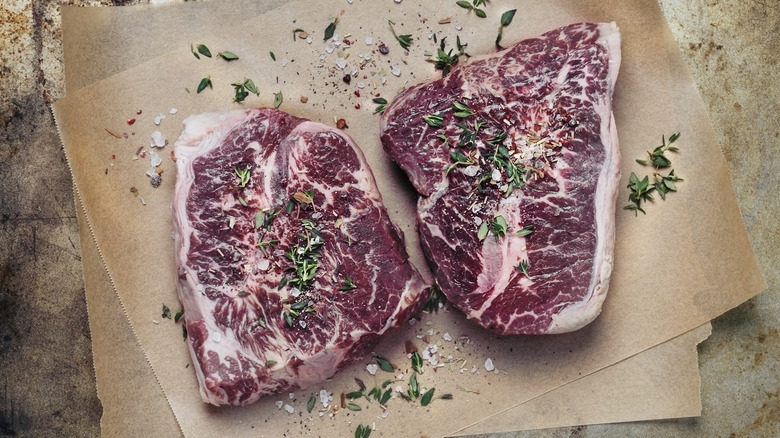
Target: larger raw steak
[
  {"x": 288, "y": 265},
  {"x": 515, "y": 156}
]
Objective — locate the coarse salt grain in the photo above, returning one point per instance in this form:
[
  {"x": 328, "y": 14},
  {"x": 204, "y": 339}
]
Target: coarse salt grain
[
  {"x": 489, "y": 365},
  {"x": 263, "y": 265},
  {"x": 157, "y": 140},
  {"x": 369, "y": 41},
  {"x": 159, "y": 118},
  {"x": 372, "y": 368},
  {"x": 341, "y": 63},
  {"x": 279, "y": 404},
  {"x": 325, "y": 397},
  {"x": 395, "y": 70},
  {"x": 173, "y": 111},
  {"x": 289, "y": 409},
  {"x": 446, "y": 336}
]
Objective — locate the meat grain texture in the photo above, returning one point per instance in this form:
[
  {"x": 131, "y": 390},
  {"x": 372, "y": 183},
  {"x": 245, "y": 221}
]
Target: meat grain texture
[
  {"x": 515, "y": 158},
  {"x": 288, "y": 265}
]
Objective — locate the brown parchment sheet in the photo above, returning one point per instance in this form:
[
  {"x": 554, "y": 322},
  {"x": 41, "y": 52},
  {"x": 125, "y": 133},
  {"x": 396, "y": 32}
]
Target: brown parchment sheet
[
  {"x": 643, "y": 309},
  {"x": 661, "y": 382}
]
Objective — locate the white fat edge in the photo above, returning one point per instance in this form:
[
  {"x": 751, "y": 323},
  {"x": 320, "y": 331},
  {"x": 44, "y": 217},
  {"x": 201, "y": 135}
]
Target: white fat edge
[
  {"x": 511, "y": 249},
  {"x": 202, "y": 133},
  {"x": 580, "y": 314}
]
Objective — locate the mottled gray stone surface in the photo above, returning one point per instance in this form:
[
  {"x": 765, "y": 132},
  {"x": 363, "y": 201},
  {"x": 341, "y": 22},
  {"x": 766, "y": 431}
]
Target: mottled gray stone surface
[{"x": 47, "y": 383}]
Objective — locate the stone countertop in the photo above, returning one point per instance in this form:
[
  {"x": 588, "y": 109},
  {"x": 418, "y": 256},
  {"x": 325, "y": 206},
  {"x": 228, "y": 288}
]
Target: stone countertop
[{"x": 47, "y": 385}]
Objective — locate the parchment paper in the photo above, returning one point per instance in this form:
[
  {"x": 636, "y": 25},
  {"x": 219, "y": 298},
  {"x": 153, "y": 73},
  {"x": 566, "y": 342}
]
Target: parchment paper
[
  {"x": 137, "y": 406},
  {"x": 642, "y": 311}
]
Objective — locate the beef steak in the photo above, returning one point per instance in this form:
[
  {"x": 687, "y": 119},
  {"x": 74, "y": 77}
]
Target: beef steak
[
  {"x": 288, "y": 264},
  {"x": 515, "y": 157}
]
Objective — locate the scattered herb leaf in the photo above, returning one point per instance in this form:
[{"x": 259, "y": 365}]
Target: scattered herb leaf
[
  {"x": 178, "y": 315},
  {"x": 642, "y": 189},
  {"x": 523, "y": 267},
  {"x": 348, "y": 284},
  {"x": 166, "y": 312},
  {"x": 278, "y": 99},
  {"x": 273, "y": 57},
  {"x": 404, "y": 40},
  {"x": 244, "y": 176},
  {"x": 525, "y": 231},
  {"x": 362, "y": 431},
  {"x": 203, "y": 50},
  {"x": 354, "y": 407},
  {"x": 434, "y": 120},
  {"x": 417, "y": 362},
  {"x": 381, "y": 105},
  {"x": 330, "y": 30},
  {"x": 227, "y": 56},
  {"x": 384, "y": 364},
  {"x": 436, "y": 299},
  {"x": 296, "y": 31},
  {"x": 506, "y": 20},
  {"x": 427, "y": 397},
  {"x": 310, "y": 405},
  {"x": 205, "y": 82}
]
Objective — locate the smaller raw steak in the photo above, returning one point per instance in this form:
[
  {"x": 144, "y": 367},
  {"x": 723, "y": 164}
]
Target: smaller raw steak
[
  {"x": 288, "y": 264},
  {"x": 515, "y": 156}
]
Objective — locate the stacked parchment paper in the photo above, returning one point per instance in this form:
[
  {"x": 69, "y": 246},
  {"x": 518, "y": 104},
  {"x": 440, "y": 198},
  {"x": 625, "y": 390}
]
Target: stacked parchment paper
[{"x": 638, "y": 360}]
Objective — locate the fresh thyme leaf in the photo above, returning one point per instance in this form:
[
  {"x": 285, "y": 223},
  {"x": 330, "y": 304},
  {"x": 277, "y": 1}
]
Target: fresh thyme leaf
[
  {"x": 354, "y": 407},
  {"x": 526, "y": 230},
  {"x": 348, "y": 284},
  {"x": 296, "y": 31},
  {"x": 506, "y": 20},
  {"x": 434, "y": 120},
  {"x": 203, "y": 50},
  {"x": 480, "y": 3},
  {"x": 310, "y": 404},
  {"x": 436, "y": 300},
  {"x": 381, "y": 105},
  {"x": 417, "y": 362},
  {"x": 205, "y": 82},
  {"x": 384, "y": 364},
  {"x": 482, "y": 232},
  {"x": 273, "y": 57},
  {"x": 497, "y": 226},
  {"x": 361, "y": 385},
  {"x": 270, "y": 363},
  {"x": 330, "y": 30},
  {"x": 278, "y": 98},
  {"x": 506, "y": 17},
  {"x": 446, "y": 397},
  {"x": 414, "y": 387},
  {"x": 427, "y": 397},
  {"x": 166, "y": 312},
  {"x": 244, "y": 176},
  {"x": 362, "y": 431},
  {"x": 354, "y": 394},
  {"x": 251, "y": 87},
  {"x": 464, "y": 4},
  {"x": 461, "y": 109},
  {"x": 178, "y": 315},
  {"x": 523, "y": 267},
  {"x": 386, "y": 396},
  {"x": 404, "y": 40},
  {"x": 480, "y": 13},
  {"x": 227, "y": 56}
]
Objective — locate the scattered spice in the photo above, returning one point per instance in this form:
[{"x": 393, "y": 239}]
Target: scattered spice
[
  {"x": 341, "y": 124},
  {"x": 130, "y": 121},
  {"x": 114, "y": 133}
]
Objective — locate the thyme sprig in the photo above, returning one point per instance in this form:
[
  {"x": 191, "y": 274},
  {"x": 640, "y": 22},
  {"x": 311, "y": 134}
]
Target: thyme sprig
[
  {"x": 506, "y": 20},
  {"x": 404, "y": 40},
  {"x": 473, "y": 7},
  {"x": 642, "y": 189},
  {"x": 244, "y": 176},
  {"x": 381, "y": 105}
]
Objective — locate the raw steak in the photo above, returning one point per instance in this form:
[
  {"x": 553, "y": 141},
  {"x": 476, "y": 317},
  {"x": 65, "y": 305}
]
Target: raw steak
[
  {"x": 288, "y": 265},
  {"x": 519, "y": 139}
]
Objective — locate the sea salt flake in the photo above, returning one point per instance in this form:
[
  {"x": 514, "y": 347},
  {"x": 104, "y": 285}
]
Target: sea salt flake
[
  {"x": 159, "y": 118},
  {"x": 157, "y": 140},
  {"x": 325, "y": 397},
  {"x": 173, "y": 111},
  {"x": 263, "y": 265},
  {"x": 446, "y": 336},
  {"x": 471, "y": 170},
  {"x": 489, "y": 365},
  {"x": 395, "y": 70},
  {"x": 279, "y": 404},
  {"x": 369, "y": 41},
  {"x": 289, "y": 409},
  {"x": 341, "y": 63},
  {"x": 372, "y": 368}
]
